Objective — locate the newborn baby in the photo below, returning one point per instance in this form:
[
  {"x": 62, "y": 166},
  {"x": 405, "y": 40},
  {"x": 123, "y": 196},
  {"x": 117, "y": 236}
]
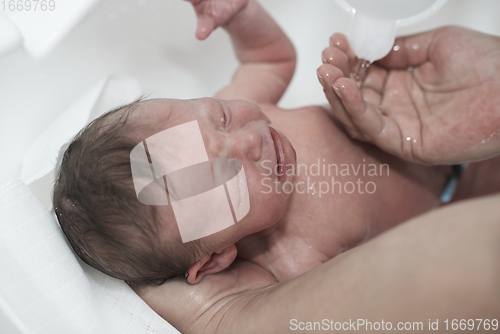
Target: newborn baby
[{"x": 294, "y": 222}]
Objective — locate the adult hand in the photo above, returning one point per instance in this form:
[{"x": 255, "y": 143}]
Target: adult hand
[
  {"x": 215, "y": 13},
  {"x": 435, "y": 99}
]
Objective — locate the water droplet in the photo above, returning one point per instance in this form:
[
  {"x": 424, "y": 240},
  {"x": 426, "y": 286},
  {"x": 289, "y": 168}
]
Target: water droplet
[
  {"x": 359, "y": 71},
  {"x": 396, "y": 48},
  {"x": 312, "y": 188},
  {"x": 408, "y": 138}
]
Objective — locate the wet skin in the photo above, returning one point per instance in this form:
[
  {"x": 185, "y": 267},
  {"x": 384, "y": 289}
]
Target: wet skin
[
  {"x": 298, "y": 232},
  {"x": 313, "y": 229},
  {"x": 290, "y": 232},
  {"x": 285, "y": 235}
]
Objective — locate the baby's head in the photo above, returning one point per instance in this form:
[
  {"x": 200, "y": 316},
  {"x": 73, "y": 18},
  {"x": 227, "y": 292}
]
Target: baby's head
[{"x": 106, "y": 225}]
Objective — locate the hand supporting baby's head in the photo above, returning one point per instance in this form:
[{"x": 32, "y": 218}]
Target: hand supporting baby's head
[{"x": 110, "y": 229}]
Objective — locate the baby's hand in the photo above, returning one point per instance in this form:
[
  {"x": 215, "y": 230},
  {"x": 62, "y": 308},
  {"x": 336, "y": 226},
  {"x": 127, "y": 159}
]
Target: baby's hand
[{"x": 215, "y": 13}]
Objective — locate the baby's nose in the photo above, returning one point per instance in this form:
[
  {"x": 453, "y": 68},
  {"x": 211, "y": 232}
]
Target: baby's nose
[{"x": 250, "y": 144}]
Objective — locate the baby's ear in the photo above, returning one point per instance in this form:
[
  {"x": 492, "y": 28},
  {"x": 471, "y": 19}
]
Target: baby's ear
[{"x": 211, "y": 264}]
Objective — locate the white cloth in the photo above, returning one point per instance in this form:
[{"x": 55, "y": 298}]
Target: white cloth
[
  {"x": 44, "y": 28},
  {"x": 44, "y": 288},
  {"x": 107, "y": 94}
]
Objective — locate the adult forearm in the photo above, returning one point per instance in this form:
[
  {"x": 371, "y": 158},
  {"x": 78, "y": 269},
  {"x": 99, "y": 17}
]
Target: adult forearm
[{"x": 443, "y": 265}]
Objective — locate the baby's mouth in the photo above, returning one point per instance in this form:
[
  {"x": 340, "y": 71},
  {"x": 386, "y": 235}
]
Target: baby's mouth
[{"x": 280, "y": 154}]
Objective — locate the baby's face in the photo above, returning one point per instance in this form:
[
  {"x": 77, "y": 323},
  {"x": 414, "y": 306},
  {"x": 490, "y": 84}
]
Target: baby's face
[{"x": 233, "y": 129}]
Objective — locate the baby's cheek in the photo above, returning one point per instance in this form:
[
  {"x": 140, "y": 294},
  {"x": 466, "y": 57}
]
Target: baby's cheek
[
  {"x": 267, "y": 196},
  {"x": 254, "y": 186},
  {"x": 217, "y": 147}
]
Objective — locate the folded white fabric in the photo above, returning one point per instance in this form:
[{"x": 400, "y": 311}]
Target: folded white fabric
[{"x": 44, "y": 288}]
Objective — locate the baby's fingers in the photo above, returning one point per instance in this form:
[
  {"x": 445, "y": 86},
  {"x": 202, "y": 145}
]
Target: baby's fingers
[
  {"x": 377, "y": 128},
  {"x": 206, "y": 24}
]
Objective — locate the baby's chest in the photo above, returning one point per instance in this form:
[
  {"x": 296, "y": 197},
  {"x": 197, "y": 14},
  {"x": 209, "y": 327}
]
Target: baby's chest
[{"x": 328, "y": 206}]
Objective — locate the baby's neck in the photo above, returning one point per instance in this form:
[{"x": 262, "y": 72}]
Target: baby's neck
[{"x": 282, "y": 254}]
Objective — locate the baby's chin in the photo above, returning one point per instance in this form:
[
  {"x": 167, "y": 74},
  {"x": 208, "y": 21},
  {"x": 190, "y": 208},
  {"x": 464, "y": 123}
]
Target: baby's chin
[
  {"x": 270, "y": 224},
  {"x": 262, "y": 218}
]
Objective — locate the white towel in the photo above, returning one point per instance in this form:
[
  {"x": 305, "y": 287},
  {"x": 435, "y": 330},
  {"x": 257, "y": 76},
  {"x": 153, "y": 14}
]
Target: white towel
[{"x": 44, "y": 288}]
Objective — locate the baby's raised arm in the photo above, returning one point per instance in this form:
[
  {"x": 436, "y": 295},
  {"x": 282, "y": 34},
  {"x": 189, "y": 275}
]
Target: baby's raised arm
[{"x": 266, "y": 54}]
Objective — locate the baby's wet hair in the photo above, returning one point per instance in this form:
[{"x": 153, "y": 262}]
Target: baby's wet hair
[{"x": 96, "y": 205}]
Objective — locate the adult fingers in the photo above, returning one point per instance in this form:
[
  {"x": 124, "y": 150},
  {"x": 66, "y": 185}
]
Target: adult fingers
[
  {"x": 327, "y": 75},
  {"x": 339, "y": 41},
  {"x": 409, "y": 51},
  {"x": 375, "y": 127},
  {"x": 337, "y": 58}
]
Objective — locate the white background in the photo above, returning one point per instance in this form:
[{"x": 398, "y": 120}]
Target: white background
[{"x": 153, "y": 41}]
